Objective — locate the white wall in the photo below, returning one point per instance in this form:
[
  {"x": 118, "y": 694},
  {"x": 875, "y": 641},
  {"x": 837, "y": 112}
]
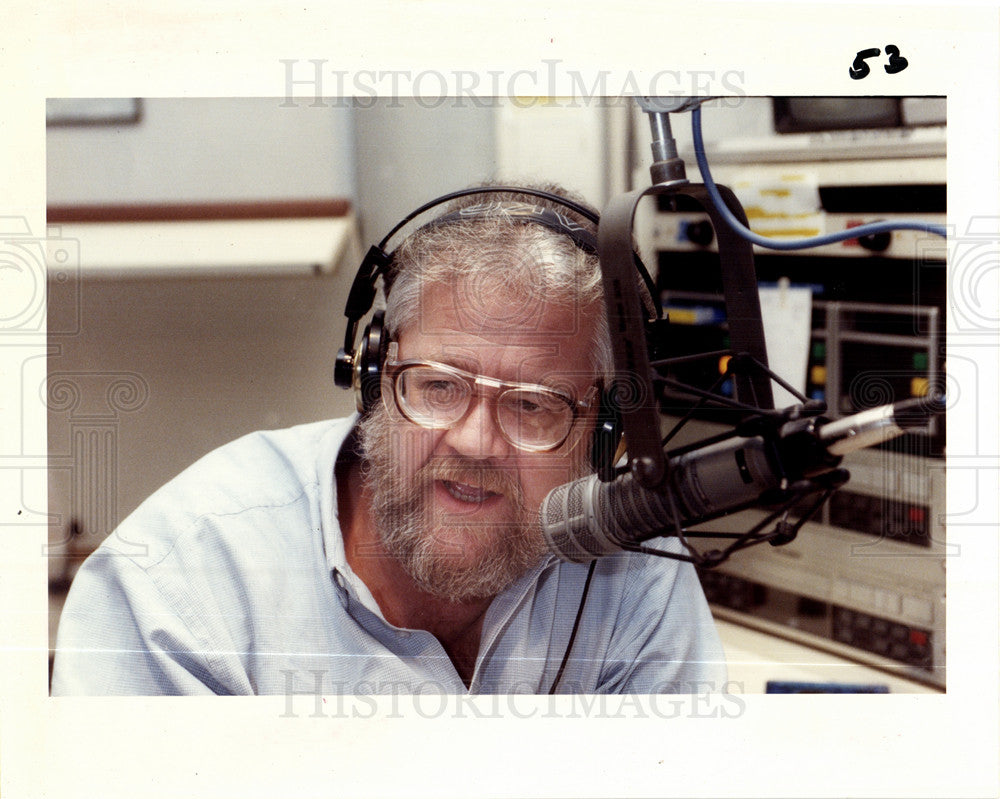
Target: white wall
[
  {"x": 407, "y": 154},
  {"x": 191, "y": 150}
]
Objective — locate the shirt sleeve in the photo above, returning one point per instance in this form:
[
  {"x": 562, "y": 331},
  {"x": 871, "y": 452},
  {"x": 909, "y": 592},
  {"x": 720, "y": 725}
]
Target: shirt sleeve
[{"x": 118, "y": 635}]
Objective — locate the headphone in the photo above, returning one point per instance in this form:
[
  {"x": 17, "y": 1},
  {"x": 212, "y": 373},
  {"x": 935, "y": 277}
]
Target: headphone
[{"x": 360, "y": 367}]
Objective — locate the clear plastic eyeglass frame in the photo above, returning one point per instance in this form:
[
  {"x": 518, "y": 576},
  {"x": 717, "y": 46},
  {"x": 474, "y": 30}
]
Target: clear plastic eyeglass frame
[{"x": 530, "y": 417}]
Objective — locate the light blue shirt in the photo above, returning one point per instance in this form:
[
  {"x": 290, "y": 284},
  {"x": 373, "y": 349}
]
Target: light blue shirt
[{"x": 232, "y": 579}]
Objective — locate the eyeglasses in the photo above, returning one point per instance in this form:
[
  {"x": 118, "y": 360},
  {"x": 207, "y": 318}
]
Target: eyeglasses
[{"x": 530, "y": 417}]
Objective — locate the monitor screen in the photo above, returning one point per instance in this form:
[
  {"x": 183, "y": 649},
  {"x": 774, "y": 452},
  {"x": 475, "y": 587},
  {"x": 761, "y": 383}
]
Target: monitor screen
[{"x": 809, "y": 114}]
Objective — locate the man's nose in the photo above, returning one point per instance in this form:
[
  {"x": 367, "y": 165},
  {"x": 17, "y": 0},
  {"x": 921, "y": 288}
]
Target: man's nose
[{"x": 476, "y": 434}]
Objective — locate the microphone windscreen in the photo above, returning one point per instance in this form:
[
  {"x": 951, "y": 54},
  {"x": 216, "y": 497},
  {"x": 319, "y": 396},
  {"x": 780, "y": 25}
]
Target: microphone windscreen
[{"x": 568, "y": 522}]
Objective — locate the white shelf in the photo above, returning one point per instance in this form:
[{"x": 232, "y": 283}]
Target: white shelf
[{"x": 314, "y": 245}]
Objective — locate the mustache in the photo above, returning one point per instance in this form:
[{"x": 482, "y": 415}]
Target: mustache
[{"x": 470, "y": 472}]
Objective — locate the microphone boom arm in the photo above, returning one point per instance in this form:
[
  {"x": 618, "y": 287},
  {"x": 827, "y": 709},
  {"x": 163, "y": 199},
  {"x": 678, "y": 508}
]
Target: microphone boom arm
[{"x": 626, "y": 320}]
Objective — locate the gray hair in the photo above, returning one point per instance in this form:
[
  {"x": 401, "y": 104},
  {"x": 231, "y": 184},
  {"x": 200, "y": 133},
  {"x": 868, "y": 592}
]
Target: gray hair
[{"x": 495, "y": 251}]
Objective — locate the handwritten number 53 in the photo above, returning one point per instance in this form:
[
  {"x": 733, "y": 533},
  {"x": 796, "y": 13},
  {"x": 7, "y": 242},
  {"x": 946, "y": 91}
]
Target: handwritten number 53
[{"x": 860, "y": 69}]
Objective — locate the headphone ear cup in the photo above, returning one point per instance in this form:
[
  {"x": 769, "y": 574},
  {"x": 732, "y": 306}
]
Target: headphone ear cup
[
  {"x": 607, "y": 436},
  {"x": 368, "y": 364}
]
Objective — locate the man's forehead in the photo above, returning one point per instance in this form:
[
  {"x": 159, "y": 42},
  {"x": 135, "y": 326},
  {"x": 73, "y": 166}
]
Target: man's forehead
[{"x": 500, "y": 312}]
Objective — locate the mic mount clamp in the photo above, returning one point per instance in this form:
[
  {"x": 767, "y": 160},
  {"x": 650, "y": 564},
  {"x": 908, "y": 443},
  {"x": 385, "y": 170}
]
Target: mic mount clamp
[{"x": 667, "y": 168}]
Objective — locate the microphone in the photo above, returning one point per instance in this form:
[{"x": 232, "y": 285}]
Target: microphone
[{"x": 588, "y": 518}]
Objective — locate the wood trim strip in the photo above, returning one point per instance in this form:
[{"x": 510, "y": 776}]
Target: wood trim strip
[{"x": 184, "y": 212}]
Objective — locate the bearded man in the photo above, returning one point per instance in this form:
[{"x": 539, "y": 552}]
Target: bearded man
[{"x": 400, "y": 550}]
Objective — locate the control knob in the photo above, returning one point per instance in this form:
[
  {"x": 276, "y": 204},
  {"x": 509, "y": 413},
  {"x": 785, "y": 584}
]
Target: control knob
[
  {"x": 876, "y": 242},
  {"x": 700, "y": 233}
]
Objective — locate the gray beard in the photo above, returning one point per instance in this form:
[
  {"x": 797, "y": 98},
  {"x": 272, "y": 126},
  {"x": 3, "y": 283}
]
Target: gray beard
[{"x": 403, "y": 520}]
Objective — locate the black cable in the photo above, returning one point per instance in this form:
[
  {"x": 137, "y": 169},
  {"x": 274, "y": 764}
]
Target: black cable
[{"x": 576, "y": 627}]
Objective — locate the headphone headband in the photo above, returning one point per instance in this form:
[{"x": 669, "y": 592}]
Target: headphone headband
[
  {"x": 565, "y": 202},
  {"x": 361, "y": 296},
  {"x": 523, "y": 212}
]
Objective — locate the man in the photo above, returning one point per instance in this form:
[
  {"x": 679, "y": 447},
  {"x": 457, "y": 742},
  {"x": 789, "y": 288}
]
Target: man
[{"x": 400, "y": 551}]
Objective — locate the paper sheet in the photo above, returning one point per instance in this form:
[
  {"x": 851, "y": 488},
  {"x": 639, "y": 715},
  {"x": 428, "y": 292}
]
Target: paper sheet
[{"x": 786, "y": 312}]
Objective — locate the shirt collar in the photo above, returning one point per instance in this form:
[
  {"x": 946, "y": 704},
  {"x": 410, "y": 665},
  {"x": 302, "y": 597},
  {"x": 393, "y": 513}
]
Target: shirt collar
[{"x": 333, "y": 539}]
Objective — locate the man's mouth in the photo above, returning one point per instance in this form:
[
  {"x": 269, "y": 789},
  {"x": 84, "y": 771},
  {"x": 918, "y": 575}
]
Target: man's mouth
[{"x": 464, "y": 492}]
